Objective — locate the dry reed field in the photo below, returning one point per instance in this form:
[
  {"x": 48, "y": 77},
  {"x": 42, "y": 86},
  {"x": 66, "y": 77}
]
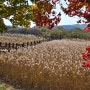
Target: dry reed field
[
  {"x": 17, "y": 38},
  {"x": 54, "y": 65}
]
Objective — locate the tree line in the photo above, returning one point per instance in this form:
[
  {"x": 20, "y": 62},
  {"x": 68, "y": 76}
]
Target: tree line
[{"x": 55, "y": 33}]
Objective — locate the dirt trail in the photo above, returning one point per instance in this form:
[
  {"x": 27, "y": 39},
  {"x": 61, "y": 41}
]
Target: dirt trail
[{"x": 4, "y": 86}]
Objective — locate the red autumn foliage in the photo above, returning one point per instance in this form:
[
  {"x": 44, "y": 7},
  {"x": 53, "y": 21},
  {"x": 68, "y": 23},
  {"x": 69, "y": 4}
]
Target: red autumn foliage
[
  {"x": 86, "y": 64},
  {"x": 88, "y": 48},
  {"x": 80, "y": 8},
  {"x": 44, "y": 13},
  {"x": 87, "y": 28},
  {"x": 86, "y": 58}
]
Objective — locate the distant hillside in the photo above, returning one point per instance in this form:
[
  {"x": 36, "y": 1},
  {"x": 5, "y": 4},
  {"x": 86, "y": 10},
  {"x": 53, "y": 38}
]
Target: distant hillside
[
  {"x": 67, "y": 27},
  {"x": 70, "y": 27},
  {"x": 81, "y": 26}
]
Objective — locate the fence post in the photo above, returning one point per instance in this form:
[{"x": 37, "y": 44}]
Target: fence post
[
  {"x": 37, "y": 42},
  {"x": 23, "y": 45},
  {"x": 13, "y": 45},
  {"x": 27, "y": 44},
  {"x": 31, "y": 43},
  {"x": 34, "y": 43},
  {"x": 9, "y": 47},
  {"x": 0, "y": 44},
  {"x": 6, "y": 45},
  {"x": 16, "y": 46}
]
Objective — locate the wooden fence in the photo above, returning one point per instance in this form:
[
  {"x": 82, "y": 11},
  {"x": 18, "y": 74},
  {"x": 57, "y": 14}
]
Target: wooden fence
[{"x": 10, "y": 46}]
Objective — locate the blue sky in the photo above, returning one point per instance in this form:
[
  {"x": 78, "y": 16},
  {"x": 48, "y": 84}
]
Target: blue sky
[{"x": 65, "y": 19}]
